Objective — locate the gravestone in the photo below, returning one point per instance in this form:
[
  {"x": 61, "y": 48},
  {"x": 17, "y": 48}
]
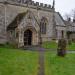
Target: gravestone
[{"x": 61, "y": 50}]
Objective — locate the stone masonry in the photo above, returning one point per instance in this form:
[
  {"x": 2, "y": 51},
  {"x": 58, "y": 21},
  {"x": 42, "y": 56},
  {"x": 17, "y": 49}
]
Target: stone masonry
[{"x": 17, "y": 16}]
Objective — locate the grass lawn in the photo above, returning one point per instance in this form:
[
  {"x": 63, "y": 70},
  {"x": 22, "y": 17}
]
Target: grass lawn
[
  {"x": 55, "y": 65},
  {"x": 71, "y": 47},
  {"x": 53, "y": 45},
  {"x": 18, "y": 62}
]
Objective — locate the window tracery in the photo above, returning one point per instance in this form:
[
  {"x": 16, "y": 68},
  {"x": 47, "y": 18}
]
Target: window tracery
[{"x": 43, "y": 25}]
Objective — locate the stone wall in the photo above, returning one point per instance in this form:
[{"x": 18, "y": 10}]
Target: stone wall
[
  {"x": 37, "y": 13},
  {"x": 10, "y": 9},
  {"x": 2, "y": 24}
]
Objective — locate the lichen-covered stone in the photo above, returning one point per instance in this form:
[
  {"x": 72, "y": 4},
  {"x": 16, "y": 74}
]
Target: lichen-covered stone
[{"x": 61, "y": 50}]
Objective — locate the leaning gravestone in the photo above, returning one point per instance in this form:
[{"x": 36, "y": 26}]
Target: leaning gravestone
[{"x": 61, "y": 50}]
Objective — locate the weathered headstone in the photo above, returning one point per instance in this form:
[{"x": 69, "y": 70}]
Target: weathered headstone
[{"x": 61, "y": 50}]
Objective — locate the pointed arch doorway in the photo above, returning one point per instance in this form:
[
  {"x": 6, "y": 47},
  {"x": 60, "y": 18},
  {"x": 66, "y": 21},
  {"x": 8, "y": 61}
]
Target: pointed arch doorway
[{"x": 27, "y": 37}]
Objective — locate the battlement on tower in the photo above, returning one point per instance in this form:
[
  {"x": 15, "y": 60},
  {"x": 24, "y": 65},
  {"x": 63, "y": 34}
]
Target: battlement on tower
[
  {"x": 41, "y": 5},
  {"x": 28, "y": 3}
]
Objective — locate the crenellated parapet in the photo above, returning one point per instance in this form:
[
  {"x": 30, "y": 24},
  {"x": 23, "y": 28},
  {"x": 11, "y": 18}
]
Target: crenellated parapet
[
  {"x": 27, "y": 2},
  {"x": 41, "y": 5}
]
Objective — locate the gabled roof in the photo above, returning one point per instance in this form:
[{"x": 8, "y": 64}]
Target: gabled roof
[
  {"x": 16, "y": 21},
  {"x": 59, "y": 20}
]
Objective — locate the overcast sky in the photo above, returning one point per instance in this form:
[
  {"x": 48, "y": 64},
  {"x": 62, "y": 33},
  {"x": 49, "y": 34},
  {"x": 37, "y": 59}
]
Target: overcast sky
[{"x": 62, "y": 6}]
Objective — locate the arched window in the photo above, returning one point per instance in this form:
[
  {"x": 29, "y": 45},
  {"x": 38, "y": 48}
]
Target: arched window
[{"x": 43, "y": 24}]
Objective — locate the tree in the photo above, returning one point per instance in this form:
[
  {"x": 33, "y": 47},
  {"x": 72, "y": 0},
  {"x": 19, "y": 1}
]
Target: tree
[
  {"x": 67, "y": 17},
  {"x": 70, "y": 16},
  {"x": 73, "y": 13}
]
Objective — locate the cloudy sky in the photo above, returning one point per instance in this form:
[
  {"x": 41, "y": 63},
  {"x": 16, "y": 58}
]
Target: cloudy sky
[{"x": 63, "y": 6}]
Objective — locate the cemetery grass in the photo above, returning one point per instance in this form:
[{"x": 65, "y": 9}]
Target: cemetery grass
[
  {"x": 71, "y": 46},
  {"x": 18, "y": 62},
  {"x": 50, "y": 45},
  {"x": 53, "y": 45},
  {"x": 55, "y": 65}
]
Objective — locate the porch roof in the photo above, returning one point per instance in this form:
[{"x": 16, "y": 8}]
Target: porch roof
[{"x": 16, "y": 21}]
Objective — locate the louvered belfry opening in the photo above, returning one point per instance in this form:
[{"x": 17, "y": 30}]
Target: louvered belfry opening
[{"x": 28, "y": 37}]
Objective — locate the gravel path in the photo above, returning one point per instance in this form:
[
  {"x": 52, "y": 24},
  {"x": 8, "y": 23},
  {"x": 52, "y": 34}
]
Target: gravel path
[
  {"x": 36, "y": 48},
  {"x": 41, "y": 69}
]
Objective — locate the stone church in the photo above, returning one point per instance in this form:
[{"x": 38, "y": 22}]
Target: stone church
[{"x": 25, "y": 22}]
